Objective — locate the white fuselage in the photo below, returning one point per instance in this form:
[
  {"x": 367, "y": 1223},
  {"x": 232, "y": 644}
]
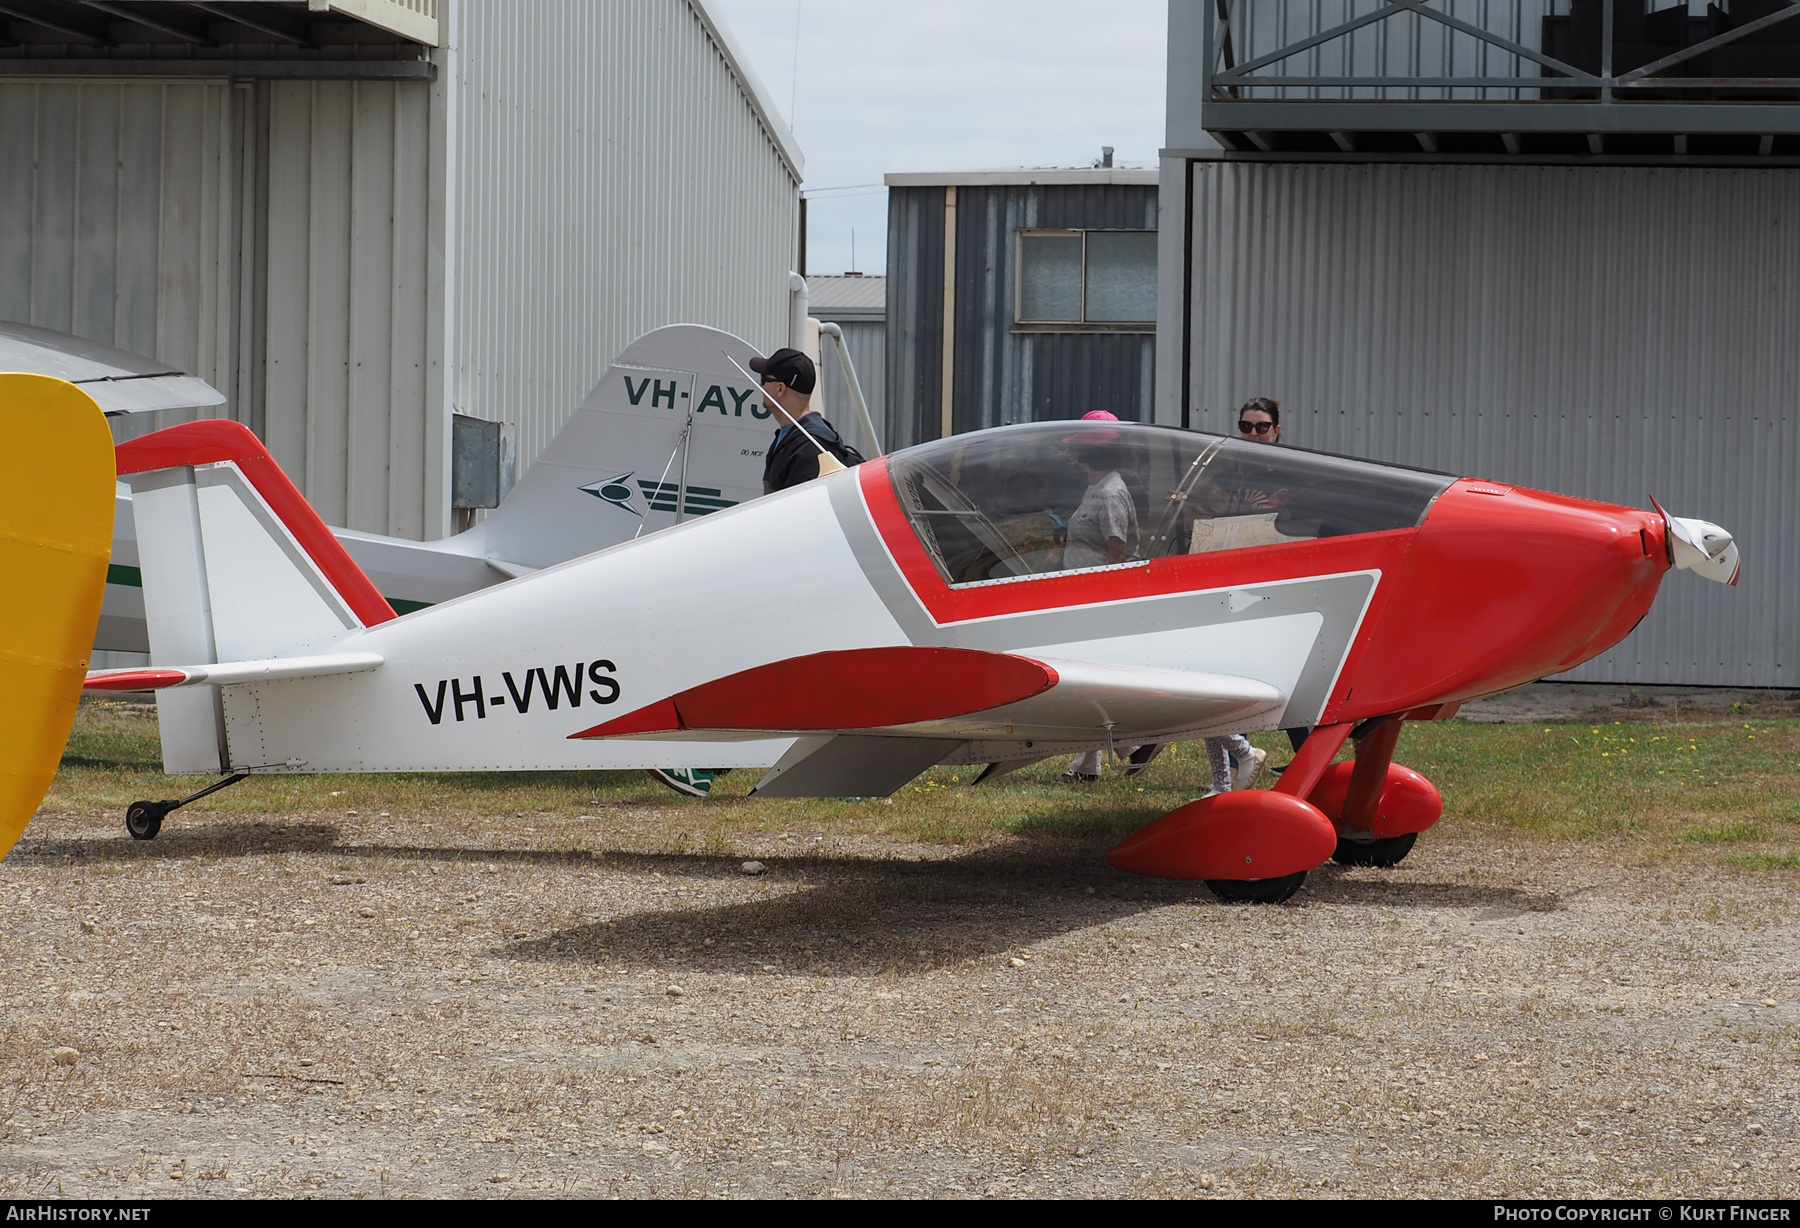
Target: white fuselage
[
  {"x": 731, "y": 591},
  {"x": 466, "y": 685}
]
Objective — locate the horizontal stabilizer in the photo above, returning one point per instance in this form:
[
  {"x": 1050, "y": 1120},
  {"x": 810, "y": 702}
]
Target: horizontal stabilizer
[{"x": 230, "y": 673}]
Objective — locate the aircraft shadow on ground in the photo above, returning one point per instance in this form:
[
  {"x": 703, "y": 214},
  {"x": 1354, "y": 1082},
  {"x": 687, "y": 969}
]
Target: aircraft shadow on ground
[
  {"x": 831, "y": 914},
  {"x": 858, "y": 917}
]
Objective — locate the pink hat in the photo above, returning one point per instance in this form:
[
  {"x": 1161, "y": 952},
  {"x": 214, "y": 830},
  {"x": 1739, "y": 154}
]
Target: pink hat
[{"x": 1091, "y": 435}]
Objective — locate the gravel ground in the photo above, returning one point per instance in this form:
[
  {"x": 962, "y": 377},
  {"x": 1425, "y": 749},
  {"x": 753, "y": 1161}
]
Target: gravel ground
[{"x": 353, "y": 1004}]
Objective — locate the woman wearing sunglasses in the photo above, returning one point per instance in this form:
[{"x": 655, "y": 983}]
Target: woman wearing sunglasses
[{"x": 1260, "y": 420}]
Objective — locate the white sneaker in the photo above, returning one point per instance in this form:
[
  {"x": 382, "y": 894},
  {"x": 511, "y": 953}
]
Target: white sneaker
[{"x": 1244, "y": 771}]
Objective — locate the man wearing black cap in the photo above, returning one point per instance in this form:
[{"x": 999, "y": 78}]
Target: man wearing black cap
[{"x": 788, "y": 378}]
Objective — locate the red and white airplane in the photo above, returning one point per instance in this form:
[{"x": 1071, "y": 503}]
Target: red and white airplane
[{"x": 924, "y": 608}]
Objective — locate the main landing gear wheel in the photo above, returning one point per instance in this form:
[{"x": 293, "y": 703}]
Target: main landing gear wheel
[
  {"x": 144, "y": 819},
  {"x": 1384, "y": 853},
  {"x": 1256, "y": 891}
]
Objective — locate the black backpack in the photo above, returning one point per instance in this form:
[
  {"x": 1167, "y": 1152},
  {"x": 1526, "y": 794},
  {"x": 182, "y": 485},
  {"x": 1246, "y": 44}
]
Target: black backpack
[{"x": 843, "y": 451}]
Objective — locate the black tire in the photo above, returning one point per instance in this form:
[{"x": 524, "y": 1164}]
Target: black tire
[
  {"x": 1256, "y": 891},
  {"x": 1383, "y": 853},
  {"x": 144, "y": 819}
]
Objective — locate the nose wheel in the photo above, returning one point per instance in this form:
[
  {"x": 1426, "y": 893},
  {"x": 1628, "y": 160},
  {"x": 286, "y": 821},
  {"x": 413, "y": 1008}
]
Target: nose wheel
[
  {"x": 1382, "y": 853},
  {"x": 1256, "y": 891},
  {"x": 143, "y": 820}
]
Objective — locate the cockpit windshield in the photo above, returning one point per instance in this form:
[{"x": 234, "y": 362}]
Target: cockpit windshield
[{"x": 1064, "y": 496}]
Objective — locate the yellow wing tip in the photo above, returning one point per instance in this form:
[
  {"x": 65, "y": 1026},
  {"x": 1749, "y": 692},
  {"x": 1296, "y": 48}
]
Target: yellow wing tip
[{"x": 56, "y": 512}]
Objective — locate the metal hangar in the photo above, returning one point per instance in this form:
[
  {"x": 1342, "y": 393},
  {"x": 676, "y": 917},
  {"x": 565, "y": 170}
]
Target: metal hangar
[
  {"x": 1554, "y": 242},
  {"x": 361, "y": 218}
]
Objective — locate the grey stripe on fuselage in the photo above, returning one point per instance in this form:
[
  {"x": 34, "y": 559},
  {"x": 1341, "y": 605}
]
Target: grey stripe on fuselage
[{"x": 1341, "y": 600}]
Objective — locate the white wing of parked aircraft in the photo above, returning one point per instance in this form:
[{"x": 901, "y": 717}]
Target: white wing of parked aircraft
[
  {"x": 119, "y": 381},
  {"x": 673, "y": 431}
]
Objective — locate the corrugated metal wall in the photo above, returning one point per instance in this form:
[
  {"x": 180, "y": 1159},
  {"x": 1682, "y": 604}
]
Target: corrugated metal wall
[
  {"x": 611, "y": 178},
  {"x": 268, "y": 238},
  {"x": 599, "y": 169},
  {"x": 345, "y": 411},
  {"x": 915, "y": 319},
  {"x": 1604, "y": 332},
  {"x": 866, "y": 339},
  {"x": 119, "y": 212},
  {"x": 1003, "y": 375}
]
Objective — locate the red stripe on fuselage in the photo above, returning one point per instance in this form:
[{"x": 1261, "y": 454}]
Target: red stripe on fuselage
[
  {"x": 856, "y": 688},
  {"x": 205, "y": 443}
]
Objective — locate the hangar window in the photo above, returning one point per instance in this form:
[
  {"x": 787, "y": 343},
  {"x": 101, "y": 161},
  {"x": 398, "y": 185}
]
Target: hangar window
[
  {"x": 1015, "y": 503},
  {"x": 1080, "y": 279}
]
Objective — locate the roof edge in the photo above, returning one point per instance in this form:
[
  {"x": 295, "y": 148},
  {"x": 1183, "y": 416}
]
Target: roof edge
[
  {"x": 1023, "y": 175},
  {"x": 753, "y": 89}
]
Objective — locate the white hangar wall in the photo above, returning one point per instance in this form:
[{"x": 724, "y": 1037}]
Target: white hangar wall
[
  {"x": 347, "y": 408},
  {"x": 1609, "y": 332},
  {"x": 614, "y": 173},
  {"x": 352, "y": 261},
  {"x": 119, "y": 212},
  {"x": 485, "y": 244}
]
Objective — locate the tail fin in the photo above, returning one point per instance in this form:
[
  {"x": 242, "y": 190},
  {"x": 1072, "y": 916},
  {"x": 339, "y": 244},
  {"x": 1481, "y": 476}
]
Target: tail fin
[
  {"x": 56, "y": 497},
  {"x": 236, "y": 566},
  {"x": 673, "y": 430}
]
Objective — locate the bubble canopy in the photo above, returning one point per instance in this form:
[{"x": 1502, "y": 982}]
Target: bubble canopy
[{"x": 1053, "y": 497}]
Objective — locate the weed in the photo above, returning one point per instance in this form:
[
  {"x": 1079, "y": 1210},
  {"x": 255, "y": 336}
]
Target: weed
[
  {"x": 1731, "y": 833},
  {"x": 1767, "y": 861}
]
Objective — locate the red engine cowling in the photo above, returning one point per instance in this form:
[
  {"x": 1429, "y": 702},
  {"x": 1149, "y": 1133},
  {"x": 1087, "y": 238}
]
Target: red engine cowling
[
  {"x": 1255, "y": 834},
  {"x": 1409, "y": 802}
]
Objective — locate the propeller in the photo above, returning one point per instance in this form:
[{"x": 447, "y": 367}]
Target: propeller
[{"x": 1700, "y": 546}]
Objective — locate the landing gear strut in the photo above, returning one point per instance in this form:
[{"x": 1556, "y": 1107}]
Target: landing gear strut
[{"x": 144, "y": 819}]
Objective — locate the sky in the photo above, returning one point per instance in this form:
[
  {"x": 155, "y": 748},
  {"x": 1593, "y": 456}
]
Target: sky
[{"x": 936, "y": 85}]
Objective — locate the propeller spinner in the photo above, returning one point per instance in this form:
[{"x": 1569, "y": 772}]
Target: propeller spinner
[{"x": 1700, "y": 546}]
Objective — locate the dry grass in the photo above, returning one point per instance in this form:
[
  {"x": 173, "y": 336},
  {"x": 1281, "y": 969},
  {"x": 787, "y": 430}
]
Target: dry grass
[
  {"x": 1650, "y": 789},
  {"x": 418, "y": 985}
]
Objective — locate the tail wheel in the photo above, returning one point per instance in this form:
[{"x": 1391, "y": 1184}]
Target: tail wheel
[
  {"x": 1256, "y": 891},
  {"x": 143, "y": 820},
  {"x": 1383, "y": 853}
]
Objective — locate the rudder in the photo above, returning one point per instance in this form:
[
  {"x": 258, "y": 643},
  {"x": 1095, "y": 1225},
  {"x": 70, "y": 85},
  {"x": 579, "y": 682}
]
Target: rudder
[{"x": 236, "y": 566}]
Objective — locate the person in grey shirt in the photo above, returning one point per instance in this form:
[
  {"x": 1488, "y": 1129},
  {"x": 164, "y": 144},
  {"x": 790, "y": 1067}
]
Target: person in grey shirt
[
  {"x": 1102, "y": 532},
  {"x": 1104, "y": 528}
]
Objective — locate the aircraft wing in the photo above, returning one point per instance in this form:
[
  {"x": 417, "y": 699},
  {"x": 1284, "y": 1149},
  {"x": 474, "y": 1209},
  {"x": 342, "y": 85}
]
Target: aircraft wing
[
  {"x": 955, "y": 694},
  {"x": 119, "y": 381}
]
